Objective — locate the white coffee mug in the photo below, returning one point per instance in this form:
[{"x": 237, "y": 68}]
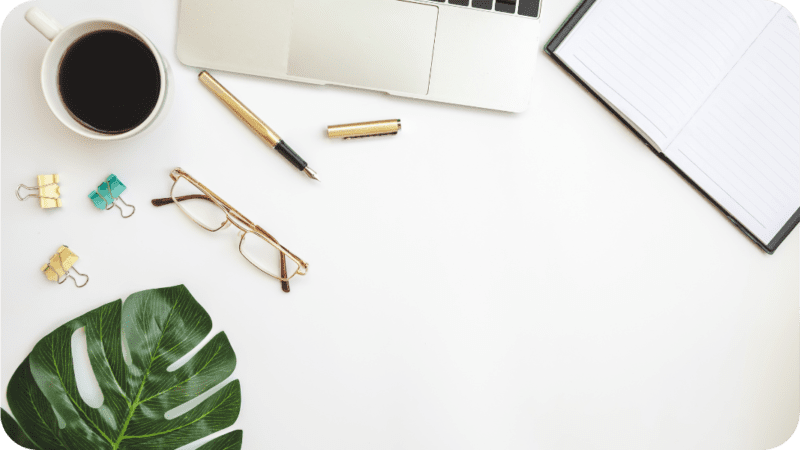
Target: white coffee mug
[{"x": 61, "y": 40}]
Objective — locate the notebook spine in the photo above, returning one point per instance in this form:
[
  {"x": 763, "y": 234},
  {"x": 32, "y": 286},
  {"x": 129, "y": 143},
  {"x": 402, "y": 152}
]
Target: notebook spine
[{"x": 566, "y": 27}]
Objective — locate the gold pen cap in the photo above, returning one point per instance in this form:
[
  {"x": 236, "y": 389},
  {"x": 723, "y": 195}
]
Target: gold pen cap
[{"x": 364, "y": 129}]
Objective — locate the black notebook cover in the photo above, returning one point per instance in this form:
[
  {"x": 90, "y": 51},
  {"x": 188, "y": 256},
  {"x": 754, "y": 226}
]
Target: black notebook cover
[{"x": 550, "y": 49}]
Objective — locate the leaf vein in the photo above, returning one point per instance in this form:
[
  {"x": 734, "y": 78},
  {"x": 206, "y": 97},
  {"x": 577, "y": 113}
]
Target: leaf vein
[
  {"x": 188, "y": 379},
  {"x": 221, "y": 403}
]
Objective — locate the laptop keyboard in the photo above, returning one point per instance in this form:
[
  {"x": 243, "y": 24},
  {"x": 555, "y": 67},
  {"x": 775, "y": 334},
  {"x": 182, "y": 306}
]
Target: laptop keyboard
[{"x": 528, "y": 8}]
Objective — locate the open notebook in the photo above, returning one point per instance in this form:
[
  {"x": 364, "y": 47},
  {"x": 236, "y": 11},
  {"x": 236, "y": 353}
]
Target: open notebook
[{"x": 712, "y": 86}]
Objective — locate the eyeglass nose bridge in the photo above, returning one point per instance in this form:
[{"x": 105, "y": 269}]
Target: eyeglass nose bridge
[
  {"x": 233, "y": 220},
  {"x": 224, "y": 225}
]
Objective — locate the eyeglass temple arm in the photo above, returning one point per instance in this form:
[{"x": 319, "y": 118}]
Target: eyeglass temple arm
[
  {"x": 168, "y": 201},
  {"x": 284, "y": 272},
  {"x": 258, "y": 228}
]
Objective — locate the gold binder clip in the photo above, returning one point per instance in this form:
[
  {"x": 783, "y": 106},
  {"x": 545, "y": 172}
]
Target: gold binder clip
[
  {"x": 48, "y": 191},
  {"x": 58, "y": 269}
]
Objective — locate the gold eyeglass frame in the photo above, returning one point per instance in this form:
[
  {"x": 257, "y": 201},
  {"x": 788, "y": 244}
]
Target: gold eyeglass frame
[{"x": 237, "y": 219}]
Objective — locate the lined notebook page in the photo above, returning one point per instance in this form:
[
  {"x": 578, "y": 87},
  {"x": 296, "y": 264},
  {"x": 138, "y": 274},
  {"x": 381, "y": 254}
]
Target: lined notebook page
[
  {"x": 658, "y": 61},
  {"x": 743, "y": 145}
]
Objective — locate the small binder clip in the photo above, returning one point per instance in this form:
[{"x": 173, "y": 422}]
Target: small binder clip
[
  {"x": 48, "y": 191},
  {"x": 107, "y": 194},
  {"x": 58, "y": 269}
]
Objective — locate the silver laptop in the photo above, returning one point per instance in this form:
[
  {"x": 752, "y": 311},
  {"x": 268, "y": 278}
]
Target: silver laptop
[{"x": 469, "y": 52}]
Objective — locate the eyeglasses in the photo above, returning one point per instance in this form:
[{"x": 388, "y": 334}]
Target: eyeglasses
[{"x": 214, "y": 214}]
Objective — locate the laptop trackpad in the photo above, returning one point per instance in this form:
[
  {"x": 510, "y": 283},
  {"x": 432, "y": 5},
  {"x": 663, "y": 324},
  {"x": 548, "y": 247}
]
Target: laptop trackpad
[{"x": 385, "y": 45}]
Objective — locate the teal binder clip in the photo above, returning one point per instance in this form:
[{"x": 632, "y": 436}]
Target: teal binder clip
[{"x": 107, "y": 194}]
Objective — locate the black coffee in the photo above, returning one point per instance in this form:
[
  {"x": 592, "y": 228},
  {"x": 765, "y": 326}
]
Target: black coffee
[{"x": 109, "y": 81}]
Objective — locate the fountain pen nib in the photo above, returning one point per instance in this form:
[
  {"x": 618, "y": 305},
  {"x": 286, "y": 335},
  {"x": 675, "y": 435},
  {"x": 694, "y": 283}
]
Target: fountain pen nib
[{"x": 311, "y": 174}]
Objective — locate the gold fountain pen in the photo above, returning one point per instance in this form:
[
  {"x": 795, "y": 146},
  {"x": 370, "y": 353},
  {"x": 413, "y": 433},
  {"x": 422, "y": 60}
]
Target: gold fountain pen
[{"x": 258, "y": 126}]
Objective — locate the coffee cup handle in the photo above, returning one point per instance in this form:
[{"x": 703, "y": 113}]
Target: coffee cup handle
[{"x": 43, "y": 22}]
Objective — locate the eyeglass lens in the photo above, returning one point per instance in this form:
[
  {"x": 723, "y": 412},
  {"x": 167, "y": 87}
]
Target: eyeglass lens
[
  {"x": 197, "y": 206},
  {"x": 265, "y": 256}
]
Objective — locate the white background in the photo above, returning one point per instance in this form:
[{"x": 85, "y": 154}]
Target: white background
[{"x": 481, "y": 281}]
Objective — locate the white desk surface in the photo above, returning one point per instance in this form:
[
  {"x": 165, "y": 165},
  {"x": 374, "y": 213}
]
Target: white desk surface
[{"x": 481, "y": 281}]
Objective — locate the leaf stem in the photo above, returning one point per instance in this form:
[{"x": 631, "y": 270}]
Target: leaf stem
[{"x": 130, "y": 414}]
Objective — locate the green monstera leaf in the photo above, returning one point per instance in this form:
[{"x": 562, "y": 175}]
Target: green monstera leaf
[{"x": 159, "y": 327}]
